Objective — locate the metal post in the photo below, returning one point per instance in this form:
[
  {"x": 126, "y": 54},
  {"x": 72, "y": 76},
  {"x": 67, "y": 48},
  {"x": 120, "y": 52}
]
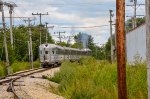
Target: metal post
[
  {"x": 121, "y": 63},
  {"x": 5, "y": 40},
  {"x": 111, "y": 40},
  {"x": 147, "y": 2}
]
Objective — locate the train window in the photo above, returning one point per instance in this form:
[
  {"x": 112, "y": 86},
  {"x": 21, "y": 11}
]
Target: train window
[
  {"x": 46, "y": 52},
  {"x": 41, "y": 52}
]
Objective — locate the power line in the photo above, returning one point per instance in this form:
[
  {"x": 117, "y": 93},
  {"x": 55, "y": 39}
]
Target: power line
[
  {"x": 81, "y": 26},
  {"x": 78, "y": 4}
]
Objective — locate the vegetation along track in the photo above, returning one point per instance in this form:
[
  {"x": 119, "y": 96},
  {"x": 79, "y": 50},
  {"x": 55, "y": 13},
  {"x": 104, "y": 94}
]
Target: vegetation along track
[{"x": 12, "y": 79}]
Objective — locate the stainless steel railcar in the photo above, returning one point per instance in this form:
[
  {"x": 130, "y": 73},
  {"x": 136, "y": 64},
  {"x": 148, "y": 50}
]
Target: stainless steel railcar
[{"x": 51, "y": 54}]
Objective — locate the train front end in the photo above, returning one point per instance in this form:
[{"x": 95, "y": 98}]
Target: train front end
[{"x": 44, "y": 55}]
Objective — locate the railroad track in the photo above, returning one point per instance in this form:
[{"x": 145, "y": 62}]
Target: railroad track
[{"x": 14, "y": 77}]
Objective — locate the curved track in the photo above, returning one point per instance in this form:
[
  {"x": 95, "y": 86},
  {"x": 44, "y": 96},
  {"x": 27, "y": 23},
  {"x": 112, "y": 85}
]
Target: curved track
[{"x": 11, "y": 79}]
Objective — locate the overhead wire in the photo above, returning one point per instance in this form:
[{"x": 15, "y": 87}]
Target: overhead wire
[{"x": 82, "y": 26}]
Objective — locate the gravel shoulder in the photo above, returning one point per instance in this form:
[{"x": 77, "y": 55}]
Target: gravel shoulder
[{"x": 33, "y": 87}]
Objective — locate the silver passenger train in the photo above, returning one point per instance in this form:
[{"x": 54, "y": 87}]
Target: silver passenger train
[{"x": 51, "y": 54}]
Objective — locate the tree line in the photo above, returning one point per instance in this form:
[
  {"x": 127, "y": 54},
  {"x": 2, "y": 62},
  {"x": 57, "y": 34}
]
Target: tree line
[
  {"x": 21, "y": 37},
  {"x": 20, "y": 50}
]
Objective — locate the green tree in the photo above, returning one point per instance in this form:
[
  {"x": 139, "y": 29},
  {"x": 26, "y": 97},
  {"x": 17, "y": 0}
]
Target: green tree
[
  {"x": 62, "y": 44},
  {"x": 78, "y": 43}
]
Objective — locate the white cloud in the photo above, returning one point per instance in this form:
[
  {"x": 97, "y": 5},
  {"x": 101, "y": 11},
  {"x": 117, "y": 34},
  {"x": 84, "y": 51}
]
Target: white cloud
[{"x": 27, "y": 7}]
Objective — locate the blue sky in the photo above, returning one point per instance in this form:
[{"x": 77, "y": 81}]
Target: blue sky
[{"x": 73, "y": 13}]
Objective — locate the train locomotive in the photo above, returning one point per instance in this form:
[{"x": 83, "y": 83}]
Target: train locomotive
[{"x": 51, "y": 54}]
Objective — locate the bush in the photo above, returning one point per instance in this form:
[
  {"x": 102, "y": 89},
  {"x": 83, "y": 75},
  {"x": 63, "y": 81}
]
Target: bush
[
  {"x": 2, "y": 70},
  {"x": 19, "y": 66},
  {"x": 36, "y": 63}
]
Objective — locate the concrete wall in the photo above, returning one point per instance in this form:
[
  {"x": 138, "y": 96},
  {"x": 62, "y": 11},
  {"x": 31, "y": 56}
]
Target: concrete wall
[{"x": 136, "y": 44}]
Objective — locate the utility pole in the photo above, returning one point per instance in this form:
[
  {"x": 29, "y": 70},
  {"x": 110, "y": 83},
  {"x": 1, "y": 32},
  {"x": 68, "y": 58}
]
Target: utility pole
[
  {"x": 111, "y": 39},
  {"x": 30, "y": 42},
  {"x": 147, "y": 2},
  {"x": 121, "y": 63},
  {"x": 40, "y": 15},
  {"x": 5, "y": 40},
  {"x": 69, "y": 40},
  {"x": 46, "y": 31},
  {"x": 114, "y": 48},
  {"x": 134, "y": 22},
  {"x": 134, "y": 17},
  {"x": 11, "y": 8},
  {"x": 59, "y": 35}
]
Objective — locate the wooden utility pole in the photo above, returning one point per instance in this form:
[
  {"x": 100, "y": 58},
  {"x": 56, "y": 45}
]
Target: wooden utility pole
[
  {"x": 121, "y": 63},
  {"x": 40, "y": 14},
  {"x": 30, "y": 43},
  {"x": 114, "y": 49},
  {"x": 147, "y": 2},
  {"x": 135, "y": 6},
  {"x": 11, "y": 8},
  {"x": 59, "y": 36},
  {"x": 5, "y": 40},
  {"x": 111, "y": 39},
  {"x": 46, "y": 31}
]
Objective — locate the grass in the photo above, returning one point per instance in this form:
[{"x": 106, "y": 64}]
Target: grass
[
  {"x": 91, "y": 79},
  {"x": 17, "y": 66},
  {"x": 2, "y": 69}
]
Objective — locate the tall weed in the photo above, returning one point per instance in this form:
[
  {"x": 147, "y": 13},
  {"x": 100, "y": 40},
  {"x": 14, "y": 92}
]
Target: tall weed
[{"x": 92, "y": 79}]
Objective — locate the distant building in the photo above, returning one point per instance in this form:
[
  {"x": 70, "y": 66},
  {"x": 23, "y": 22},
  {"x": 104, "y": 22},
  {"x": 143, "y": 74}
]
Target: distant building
[{"x": 136, "y": 44}]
